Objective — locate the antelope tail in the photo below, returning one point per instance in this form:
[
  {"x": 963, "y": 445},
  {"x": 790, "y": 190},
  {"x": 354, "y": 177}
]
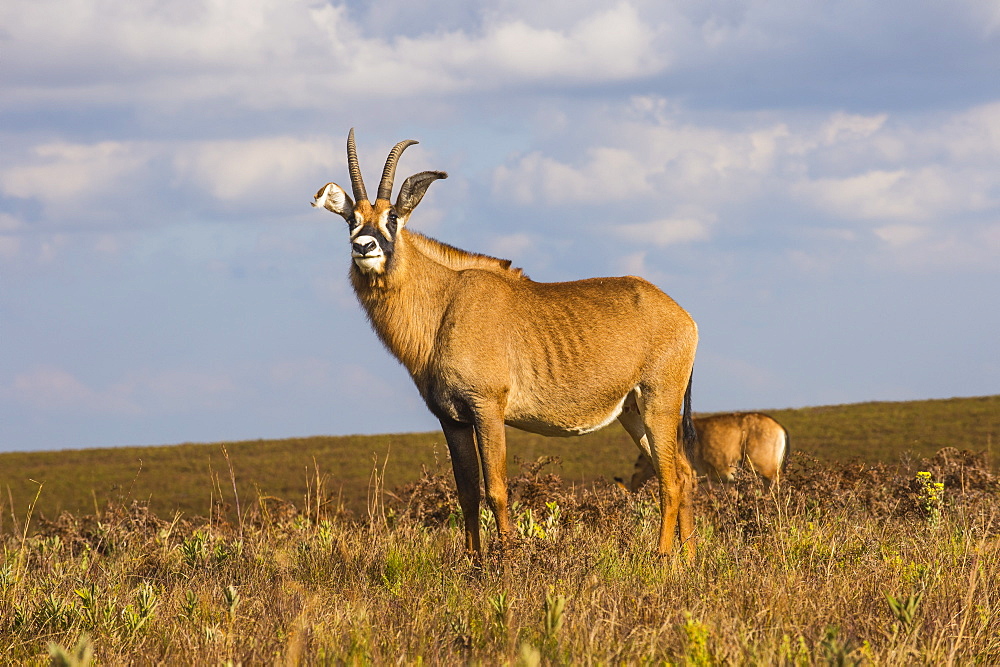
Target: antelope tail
[
  {"x": 788, "y": 450},
  {"x": 687, "y": 422}
]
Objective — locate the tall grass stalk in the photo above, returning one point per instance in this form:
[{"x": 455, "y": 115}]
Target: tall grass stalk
[{"x": 236, "y": 493}]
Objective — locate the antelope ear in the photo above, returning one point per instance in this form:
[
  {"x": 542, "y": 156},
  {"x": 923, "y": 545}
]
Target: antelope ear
[
  {"x": 413, "y": 190},
  {"x": 333, "y": 198}
]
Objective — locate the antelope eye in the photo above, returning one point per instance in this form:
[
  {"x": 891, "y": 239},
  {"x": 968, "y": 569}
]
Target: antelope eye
[{"x": 392, "y": 222}]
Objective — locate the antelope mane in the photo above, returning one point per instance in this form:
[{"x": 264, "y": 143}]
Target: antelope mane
[{"x": 458, "y": 259}]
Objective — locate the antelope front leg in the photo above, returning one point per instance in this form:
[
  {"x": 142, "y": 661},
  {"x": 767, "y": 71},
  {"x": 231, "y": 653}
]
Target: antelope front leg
[{"x": 465, "y": 464}]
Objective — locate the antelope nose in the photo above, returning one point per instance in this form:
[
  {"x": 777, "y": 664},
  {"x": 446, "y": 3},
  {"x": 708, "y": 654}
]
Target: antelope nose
[{"x": 363, "y": 248}]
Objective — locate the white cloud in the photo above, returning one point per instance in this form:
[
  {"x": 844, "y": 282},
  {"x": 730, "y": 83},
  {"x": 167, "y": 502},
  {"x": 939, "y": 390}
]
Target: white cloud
[
  {"x": 848, "y": 127},
  {"x": 150, "y": 34},
  {"x": 751, "y": 377},
  {"x": 974, "y": 247},
  {"x": 270, "y": 54},
  {"x": 875, "y": 194},
  {"x": 336, "y": 290},
  {"x": 141, "y": 393},
  {"x": 665, "y": 232},
  {"x": 55, "y": 389},
  {"x": 512, "y": 245},
  {"x": 704, "y": 172},
  {"x": 922, "y": 185},
  {"x": 308, "y": 373},
  {"x": 50, "y": 246},
  {"x": 255, "y": 168},
  {"x": 602, "y": 45},
  {"x": 79, "y": 183},
  {"x": 10, "y": 246},
  {"x": 109, "y": 244},
  {"x": 609, "y": 173},
  {"x": 633, "y": 264},
  {"x": 71, "y": 179},
  {"x": 182, "y": 390},
  {"x": 972, "y": 136},
  {"x": 916, "y": 194},
  {"x": 120, "y": 182},
  {"x": 9, "y": 223},
  {"x": 656, "y": 155},
  {"x": 359, "y": 381},
  {"x": 900, "y": 234},
  {"x": 612, "y": 44},
  {"x": 869, "y": 168}
]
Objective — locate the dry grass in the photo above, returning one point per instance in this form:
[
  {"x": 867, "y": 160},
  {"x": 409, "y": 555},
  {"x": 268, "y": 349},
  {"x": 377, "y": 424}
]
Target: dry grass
[{"x": 844, "y": 565}]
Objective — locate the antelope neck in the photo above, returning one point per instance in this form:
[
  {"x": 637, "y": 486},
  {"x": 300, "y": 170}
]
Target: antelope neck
[{"x": 406, "y": 304}]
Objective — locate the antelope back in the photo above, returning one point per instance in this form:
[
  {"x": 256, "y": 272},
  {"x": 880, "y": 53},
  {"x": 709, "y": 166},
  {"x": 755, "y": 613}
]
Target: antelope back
[
  {"x": 727, "y": 442},
  {"x": 766, "y": 446}
]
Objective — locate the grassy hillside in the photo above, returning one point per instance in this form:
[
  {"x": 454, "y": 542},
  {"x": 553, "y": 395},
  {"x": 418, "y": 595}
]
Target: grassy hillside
[
  {"x": 885, "y": 431},
  {"x": 191, "y": 477}
]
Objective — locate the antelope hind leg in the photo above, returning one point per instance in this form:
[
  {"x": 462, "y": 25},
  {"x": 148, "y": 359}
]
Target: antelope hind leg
[
  {"x": 492, "y": 441},
  {"x": 631, "y": 420},
  {"x": 687, "y": 482},
  {"x": 675, "y": 506},
  {"x": 674, "y": 475}
]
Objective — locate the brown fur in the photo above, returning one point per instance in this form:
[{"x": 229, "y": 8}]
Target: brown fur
[
  {"x": 727, "y": 442},
  {"x": 486, "y": 346}
]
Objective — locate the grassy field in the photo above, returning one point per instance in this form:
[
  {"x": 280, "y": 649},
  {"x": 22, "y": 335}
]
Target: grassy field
[
  {"x": 193, "y": 478},
  {"x": 846, "y": 564}
]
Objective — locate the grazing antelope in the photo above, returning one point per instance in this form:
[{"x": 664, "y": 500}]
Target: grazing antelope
[
  {"x": 487, "y": 346},
  {"x": 726, "y": 441}
]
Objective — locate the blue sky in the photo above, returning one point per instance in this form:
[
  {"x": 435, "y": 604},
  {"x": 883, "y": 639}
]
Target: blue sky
[{"x": 818, "y": 183}]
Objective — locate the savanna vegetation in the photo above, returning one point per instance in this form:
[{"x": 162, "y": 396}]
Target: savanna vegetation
[
  {"x": 892, "y": 561},
  {"x": 192, "y": 478}
]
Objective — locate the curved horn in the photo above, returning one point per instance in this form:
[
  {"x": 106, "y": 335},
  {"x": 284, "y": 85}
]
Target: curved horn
[
  {"x": 389, "y": 173},
  {"x": 357, "y": 183}
]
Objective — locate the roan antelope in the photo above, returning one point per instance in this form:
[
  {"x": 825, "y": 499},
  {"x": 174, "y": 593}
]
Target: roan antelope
[
  {"x": 487, "y": 346},
  {"x": 727, "y": 441}
]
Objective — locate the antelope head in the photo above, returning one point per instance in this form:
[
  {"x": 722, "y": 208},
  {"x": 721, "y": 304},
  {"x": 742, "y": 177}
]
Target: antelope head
[{"x": 374, "y": 228}]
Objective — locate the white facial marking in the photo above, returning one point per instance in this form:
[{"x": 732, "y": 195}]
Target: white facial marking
[
  {"x": 384, "y": 227},
  {"x": 371, "y": 264},
  {"x": 371, "y": 261},
  {"x": 376, "y": 251}
]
